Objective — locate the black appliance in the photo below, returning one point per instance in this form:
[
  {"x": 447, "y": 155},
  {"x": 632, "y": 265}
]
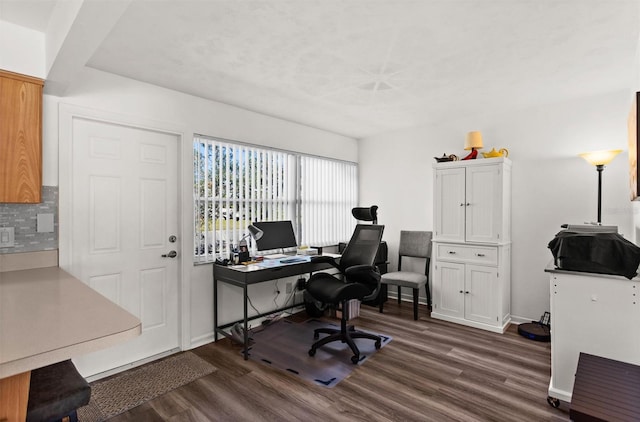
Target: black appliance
[{"x": 594, "y": 249}]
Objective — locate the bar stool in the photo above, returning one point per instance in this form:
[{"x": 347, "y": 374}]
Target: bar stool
[{"x": 56, "y": 392}]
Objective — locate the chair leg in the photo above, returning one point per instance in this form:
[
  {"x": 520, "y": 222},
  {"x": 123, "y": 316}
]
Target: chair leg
[
  {"x": 346, "y": 334},
  {"x": 381, "y": 297},
  {"x": 415, "y": 304},
  {"x": 318, "y": 331},
  {"x": 399, "y": 294},
  {"x": 426, "y": 286}
]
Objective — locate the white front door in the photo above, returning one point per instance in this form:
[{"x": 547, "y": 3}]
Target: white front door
[{"x": 123, "y": 219}]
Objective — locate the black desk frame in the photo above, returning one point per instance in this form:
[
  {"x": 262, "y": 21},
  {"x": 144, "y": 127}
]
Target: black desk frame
[{"x": 243, "y": 279}]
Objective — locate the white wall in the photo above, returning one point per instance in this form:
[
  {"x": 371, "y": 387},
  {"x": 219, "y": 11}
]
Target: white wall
[
  {"x": 22, "y": 50},
  {"x": 160, "y": 108},
  {"x": 551, "y": 184}
]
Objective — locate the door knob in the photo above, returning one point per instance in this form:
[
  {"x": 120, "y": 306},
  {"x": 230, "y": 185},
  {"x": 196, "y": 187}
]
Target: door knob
[{"x": 171, "y": 254}]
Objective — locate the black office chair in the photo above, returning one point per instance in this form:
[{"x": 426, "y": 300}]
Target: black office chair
[
  {"x": 366, "y": 213},
  {"x": 361, "y": 280}
]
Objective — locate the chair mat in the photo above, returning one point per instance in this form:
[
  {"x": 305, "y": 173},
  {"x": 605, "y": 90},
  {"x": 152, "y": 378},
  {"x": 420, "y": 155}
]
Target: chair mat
[{"x": 285, "y": 345}]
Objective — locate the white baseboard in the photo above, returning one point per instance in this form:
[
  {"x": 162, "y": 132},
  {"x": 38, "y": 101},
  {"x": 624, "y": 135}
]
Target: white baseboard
[
  {"x": 521, "y": 320},
  {"x": 131, "y": 365}
]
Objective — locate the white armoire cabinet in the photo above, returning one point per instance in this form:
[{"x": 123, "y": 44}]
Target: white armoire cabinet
[{"x": 472, "y": 243}]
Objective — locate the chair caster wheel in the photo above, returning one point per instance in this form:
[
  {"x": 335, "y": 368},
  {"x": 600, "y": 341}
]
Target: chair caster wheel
[
  {"x": 553, "y": 402},
  {"x": 312, "y": 352},
  {"x": 355, "y": 359},
  {"x": 378, "y": 344}
]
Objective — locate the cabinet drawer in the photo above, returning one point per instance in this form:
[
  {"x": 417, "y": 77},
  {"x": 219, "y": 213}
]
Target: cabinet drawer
[
  {"x": 452, "y": 253},
  {"x": 483, "y": 255},
  {"x": 475, "y": 254}
]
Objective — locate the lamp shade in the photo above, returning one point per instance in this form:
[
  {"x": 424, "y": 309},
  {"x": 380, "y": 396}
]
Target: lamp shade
[
  {"x": 255, "y": 232},
  {"x": 600, "y": 158},
  {"x": 473, "y": 141}
]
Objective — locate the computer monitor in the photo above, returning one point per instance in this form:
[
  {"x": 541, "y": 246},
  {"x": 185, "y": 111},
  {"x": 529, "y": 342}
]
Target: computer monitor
[{"x": 277, "y": 235}]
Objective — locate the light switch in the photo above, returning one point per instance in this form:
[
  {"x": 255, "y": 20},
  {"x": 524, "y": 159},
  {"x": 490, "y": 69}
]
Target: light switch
[
  {"x": 7, "y": 237},
  {"x": 44, "y": 223}
]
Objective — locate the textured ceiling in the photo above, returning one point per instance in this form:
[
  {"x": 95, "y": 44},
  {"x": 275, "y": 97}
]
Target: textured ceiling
[{"x": 362, "y": 67}]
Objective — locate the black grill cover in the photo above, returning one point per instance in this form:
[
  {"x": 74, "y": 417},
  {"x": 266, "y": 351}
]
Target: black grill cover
[{"x": 602, "y": 253}]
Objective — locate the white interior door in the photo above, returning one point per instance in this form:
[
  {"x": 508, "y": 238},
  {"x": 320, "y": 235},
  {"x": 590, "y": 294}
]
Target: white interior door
[{"x": 123, "y": 219}]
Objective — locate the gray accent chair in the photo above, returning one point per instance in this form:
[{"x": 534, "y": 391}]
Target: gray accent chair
[{"x": 415, "y": 244}]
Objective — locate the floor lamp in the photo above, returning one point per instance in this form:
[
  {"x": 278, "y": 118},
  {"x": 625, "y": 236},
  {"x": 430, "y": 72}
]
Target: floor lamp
[{"x": 600, "y": 159}]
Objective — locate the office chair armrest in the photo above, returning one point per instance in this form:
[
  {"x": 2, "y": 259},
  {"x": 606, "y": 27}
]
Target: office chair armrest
[
  {"x": 322, "y": 259},
  {"x": 366, "y": 274}
]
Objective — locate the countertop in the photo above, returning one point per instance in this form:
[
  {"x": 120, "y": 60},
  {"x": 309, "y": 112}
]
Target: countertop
[{"x": 47, "y": 316}]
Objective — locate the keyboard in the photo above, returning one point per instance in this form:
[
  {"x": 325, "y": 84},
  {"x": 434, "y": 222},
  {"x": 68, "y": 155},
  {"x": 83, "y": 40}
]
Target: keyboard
[{"x": 292, "y": 260}]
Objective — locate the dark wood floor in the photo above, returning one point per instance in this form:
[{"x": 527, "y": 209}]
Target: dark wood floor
[{"x": 431, "y": 371}]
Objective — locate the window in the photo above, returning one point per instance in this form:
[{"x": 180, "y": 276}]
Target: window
[{"x": 236, "y": 184}]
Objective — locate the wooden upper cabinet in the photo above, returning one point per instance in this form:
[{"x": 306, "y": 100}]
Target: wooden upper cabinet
[{"x": 20, "y": 138}]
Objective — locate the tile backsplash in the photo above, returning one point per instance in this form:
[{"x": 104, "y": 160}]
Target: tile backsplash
[{"x": 23, "y": 218}]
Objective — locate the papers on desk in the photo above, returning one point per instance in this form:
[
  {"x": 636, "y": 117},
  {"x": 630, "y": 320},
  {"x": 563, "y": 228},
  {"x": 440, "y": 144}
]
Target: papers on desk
[
  {"x": 332, "y": 255},
  {"x": 275, "y": 256},
  {"x": 269, "y": 263}
]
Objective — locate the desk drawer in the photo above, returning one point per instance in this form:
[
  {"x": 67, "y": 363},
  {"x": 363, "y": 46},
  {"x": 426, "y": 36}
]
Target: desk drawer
[
  {"x": 486, "y": 255},
  {"x": 241, "y": 276}
]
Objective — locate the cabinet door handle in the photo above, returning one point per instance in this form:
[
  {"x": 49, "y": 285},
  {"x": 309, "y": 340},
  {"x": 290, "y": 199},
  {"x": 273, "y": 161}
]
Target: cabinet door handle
[
  {"x": 452, "y": 252},
  {"x": 466, "y": 293},
  {"x": 468, "y": 204},
  {"x": 462, "y": 204},
  {"x": 479, "y": 254},
  {"x": 461, "y": 291}
]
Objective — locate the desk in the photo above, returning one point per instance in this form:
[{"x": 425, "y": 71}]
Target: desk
[
  {"x": 47, "y": 316},
  {"x": 605, "y": 390},
  {"x": 245, "y": 275}
]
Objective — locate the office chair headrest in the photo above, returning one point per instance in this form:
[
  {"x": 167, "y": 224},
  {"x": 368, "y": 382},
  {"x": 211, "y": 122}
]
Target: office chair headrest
[{"x": 366, "y": 214}]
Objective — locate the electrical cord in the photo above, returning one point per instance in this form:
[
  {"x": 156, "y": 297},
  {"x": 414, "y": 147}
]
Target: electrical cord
[
  {"x": 275, "y": 296},
  {"x": 251, "y": 303}
]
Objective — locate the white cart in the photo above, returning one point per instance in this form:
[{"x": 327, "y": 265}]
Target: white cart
[{"x": 592, "y": 313}]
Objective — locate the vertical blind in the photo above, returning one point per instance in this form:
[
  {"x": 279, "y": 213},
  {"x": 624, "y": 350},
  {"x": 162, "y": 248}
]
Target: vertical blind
[
  {"x": 328, "y": 192},
  {"x": 237, "y": 184}
]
